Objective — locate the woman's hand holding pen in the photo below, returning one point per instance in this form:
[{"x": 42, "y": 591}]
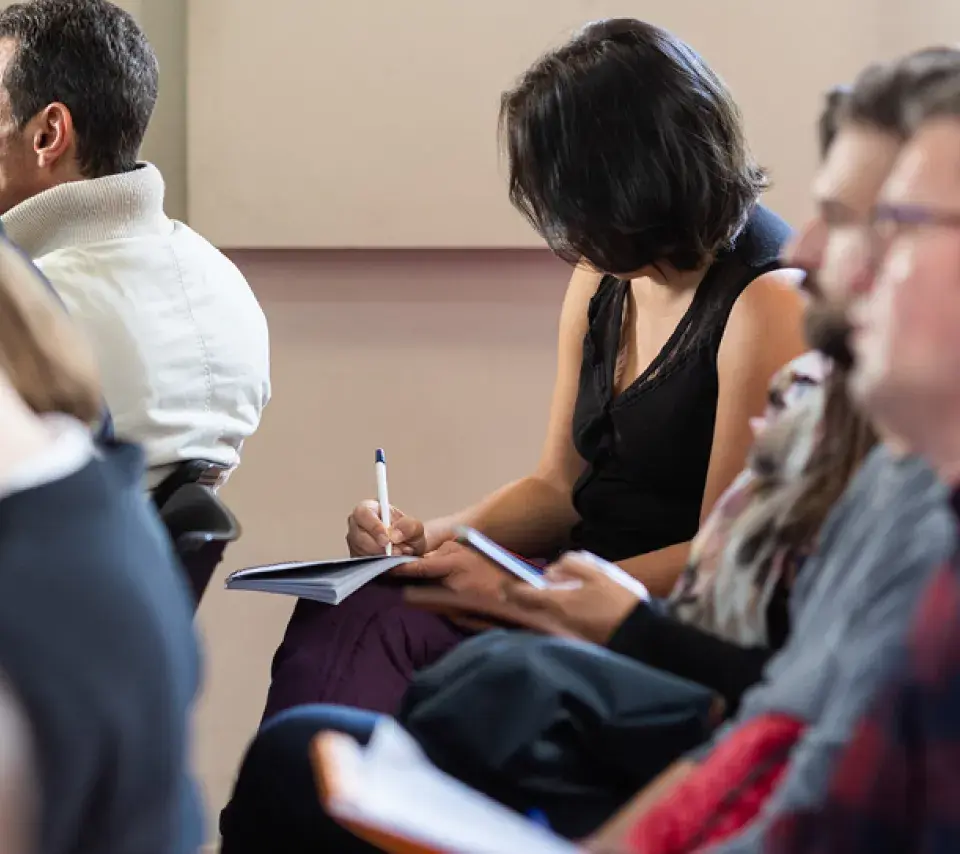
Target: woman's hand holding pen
[
  {"x": 451, "y": 565},
  {"x": 367, "y": 536}
]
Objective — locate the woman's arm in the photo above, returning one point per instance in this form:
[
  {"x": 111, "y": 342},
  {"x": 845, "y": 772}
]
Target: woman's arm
[
  {"x": 764, "y": 332},
  {"x": 534, "y": 515}
]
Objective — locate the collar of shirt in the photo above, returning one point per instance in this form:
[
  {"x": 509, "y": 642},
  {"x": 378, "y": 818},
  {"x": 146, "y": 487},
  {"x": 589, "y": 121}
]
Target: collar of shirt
[{"x": 77, "y": 213}]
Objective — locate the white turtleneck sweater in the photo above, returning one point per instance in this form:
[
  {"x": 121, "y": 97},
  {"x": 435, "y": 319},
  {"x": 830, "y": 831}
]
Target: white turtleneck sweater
[{"x": 181, "y": 339}]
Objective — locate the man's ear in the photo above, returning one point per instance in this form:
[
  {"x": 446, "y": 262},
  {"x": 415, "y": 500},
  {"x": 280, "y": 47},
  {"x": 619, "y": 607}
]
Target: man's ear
[{"x": 53, "y": 134}]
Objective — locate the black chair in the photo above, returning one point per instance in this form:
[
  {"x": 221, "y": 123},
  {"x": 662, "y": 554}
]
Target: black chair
[
  {"x": 201, "y": 526},
  {"x": 203, "y": 472}
]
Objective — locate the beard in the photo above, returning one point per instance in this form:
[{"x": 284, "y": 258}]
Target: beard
[
  {"x": 825, "y": 325},
  {"x": 828, "y": 330}
]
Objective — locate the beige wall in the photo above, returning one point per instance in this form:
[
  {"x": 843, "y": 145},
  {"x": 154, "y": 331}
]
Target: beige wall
[
  {"x": 373, "y": 123},
  {"x": 166, "y": 142}
]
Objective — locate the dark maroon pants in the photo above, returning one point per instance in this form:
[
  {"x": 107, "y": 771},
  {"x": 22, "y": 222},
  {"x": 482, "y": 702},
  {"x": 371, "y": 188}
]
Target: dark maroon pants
[{"x": 361, "y": 653}]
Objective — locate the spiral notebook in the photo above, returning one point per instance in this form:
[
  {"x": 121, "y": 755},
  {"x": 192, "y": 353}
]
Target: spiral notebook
[
  {"x": 327, "y": 581},
  {"x": 390, "y": 794}
]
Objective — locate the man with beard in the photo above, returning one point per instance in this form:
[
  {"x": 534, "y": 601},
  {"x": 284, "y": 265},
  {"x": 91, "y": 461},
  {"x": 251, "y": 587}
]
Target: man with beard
[{"x": 852, "y": 605}]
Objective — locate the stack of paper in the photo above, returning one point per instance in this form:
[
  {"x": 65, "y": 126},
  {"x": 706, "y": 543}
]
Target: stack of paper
[
  {"x": 329, "y": 581},
  {"x": 391, "y": 793}
]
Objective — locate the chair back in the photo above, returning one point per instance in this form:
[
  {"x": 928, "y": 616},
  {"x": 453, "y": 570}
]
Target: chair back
[
  {"x": 192, "y": 471},
  {"x": 200, "y": 526}
]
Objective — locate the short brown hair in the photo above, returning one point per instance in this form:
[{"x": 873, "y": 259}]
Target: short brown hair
[
  {"x": 42, "y": 353},
  {"x": 941, "y": 102},
  {"x": 886, "y": 96},
  {"x": 829, "y": 122}
]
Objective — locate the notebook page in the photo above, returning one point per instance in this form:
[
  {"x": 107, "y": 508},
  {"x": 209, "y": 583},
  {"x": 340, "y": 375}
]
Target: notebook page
[{"x": 392, "y": 786}]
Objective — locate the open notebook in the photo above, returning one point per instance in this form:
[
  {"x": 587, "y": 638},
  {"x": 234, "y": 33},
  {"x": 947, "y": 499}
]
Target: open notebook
[
  {"x": 327, "y": 581},
  {"x": 391, "y": 795}
]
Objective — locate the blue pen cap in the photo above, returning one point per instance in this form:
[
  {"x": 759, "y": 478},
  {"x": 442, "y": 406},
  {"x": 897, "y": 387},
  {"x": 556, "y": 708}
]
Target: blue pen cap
[
  {"x": 380, "y": 456},
  {"x": 539, "y": 817}
]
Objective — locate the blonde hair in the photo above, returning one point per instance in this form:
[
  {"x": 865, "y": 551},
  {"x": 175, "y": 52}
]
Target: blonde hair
[{"x": 43, "y": 354}]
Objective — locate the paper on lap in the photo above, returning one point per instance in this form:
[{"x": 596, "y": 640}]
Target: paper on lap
[{"x": 391, "y": 794}]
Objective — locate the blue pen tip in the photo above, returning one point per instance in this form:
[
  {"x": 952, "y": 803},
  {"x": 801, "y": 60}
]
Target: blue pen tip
[
  {"x": 380, "y": 456},
  {"x": 539, "y": 817}
]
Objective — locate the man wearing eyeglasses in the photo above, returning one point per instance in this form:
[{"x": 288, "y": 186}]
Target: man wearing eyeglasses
[{"x": 897, "y": 787}]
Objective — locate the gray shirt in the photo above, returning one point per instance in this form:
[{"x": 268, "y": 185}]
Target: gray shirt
[{"x": 850, "y": 612}]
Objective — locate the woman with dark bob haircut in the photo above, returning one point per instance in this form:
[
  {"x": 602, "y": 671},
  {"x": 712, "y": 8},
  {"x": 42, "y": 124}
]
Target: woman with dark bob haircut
[{"x": 627, "y": 154}]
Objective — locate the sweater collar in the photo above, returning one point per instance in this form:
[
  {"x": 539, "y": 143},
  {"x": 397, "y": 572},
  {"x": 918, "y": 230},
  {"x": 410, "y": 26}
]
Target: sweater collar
[{"x": 114, "y": 207}]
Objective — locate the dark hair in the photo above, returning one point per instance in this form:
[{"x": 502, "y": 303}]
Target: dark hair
[
  {"x": 942, "y": 101},
  {"x": 625, "y": 149},
  {"x": 829, "y": 121},
  {"x": 886, "y": 96},
  {"x": 92, "y": 57}
]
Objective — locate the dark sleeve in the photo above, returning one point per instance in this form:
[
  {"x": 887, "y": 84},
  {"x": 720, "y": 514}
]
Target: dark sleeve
[{"x": 665, "y": 643}]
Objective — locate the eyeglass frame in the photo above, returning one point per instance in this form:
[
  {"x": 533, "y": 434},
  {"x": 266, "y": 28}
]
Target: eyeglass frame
[{"x": 888, "y": 220}]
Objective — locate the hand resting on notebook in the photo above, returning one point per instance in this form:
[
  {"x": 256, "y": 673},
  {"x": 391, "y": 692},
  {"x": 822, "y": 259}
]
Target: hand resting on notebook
[
  {"x": 584, "y": 601},
  {"x": 459, "y": 568}
]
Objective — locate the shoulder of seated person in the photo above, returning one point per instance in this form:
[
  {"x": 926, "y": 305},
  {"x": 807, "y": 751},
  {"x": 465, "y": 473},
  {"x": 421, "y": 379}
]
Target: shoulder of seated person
[
  {"x": 585, "y": 280},
  {"x": 766, "y": 304}
]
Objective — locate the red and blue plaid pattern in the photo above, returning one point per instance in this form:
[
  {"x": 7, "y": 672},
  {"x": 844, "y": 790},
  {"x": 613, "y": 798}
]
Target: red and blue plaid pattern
[{"x": 897, "y": 786}]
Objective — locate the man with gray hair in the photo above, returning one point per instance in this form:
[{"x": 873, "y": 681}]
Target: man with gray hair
[{"x": 179, "y": 337}]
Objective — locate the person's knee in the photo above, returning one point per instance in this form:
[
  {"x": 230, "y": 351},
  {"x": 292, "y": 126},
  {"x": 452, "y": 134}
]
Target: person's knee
[
  {"x": 282, "y": 746},
  {"x": 278, "y": 760}
]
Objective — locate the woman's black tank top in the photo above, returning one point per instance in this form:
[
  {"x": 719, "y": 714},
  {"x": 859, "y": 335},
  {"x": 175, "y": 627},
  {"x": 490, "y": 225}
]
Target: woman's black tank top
[{"x": 648, "y": 448}]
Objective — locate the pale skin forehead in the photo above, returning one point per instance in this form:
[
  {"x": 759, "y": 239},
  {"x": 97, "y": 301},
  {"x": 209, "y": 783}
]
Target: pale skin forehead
[
  {"x": 856, "y": 166},
  {"x": 928, "y": 170}
]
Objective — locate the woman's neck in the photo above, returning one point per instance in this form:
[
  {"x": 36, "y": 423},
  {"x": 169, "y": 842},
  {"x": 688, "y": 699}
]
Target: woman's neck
[{"x": 664, "y": 287}]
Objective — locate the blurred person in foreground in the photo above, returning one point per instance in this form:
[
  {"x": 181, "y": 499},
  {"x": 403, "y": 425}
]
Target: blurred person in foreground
[
  {"x": 96, "y": 634},
  {"x": 19, "y": 827},
  {"x": 179, "y": 337},
  {"x": 897, "y": 786}
]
